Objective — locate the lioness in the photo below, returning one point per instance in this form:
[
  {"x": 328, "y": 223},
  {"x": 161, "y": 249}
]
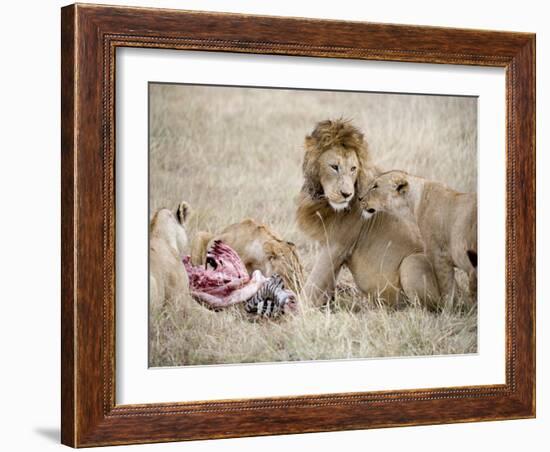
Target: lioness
[
  {"x": 168, "y": 244},
  {"x": 385, "y": 257},
  {"x": 446, "y": 221},
  {"x": 258, "y": 247}
]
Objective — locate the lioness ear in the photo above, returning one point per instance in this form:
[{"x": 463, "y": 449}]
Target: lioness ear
[
  {"x": 364, "y": 178},
  {"x": 401, "y": 186},
  {"x": 182, "y": 212},
  {"x": 269, "y": 249}
]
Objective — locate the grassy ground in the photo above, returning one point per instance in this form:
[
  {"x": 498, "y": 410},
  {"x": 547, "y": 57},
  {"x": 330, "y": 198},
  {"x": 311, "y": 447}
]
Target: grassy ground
[{"x": 234, "y": 153}]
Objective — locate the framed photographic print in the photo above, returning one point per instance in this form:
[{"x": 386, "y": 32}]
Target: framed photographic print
[{"x": 281, "y": 225}]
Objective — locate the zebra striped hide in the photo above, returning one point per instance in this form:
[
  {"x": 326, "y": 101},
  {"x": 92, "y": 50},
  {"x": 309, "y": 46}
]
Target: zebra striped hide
[
  {"x": 272, "y": 299},
  {"x": 223, "y": 281}
]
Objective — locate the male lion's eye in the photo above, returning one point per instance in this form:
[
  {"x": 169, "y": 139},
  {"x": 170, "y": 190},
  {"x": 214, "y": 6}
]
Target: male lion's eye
[{"x": 334, "y": 167}]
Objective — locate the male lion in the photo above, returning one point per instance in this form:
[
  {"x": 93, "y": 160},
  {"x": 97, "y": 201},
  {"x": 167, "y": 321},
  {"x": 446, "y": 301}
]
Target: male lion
[
  {"x": 384, "y": 256},
  {"x": 445, "y": 219},
  {"x": 258, "y": 247},
  {"x": 168, "y": 245}
]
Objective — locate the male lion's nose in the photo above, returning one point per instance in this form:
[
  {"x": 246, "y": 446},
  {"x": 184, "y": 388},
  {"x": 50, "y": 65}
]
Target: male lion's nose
[{"x": 345, "y": 194}]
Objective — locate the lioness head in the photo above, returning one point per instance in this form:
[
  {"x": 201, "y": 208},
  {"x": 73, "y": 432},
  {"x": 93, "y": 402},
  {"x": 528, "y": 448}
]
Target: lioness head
[
  {"x": 171, "y": 227},
  {"x": 282, "y": 259},
  {"x": 386, "y": 193},
  {"x": 335, "y": 156}
]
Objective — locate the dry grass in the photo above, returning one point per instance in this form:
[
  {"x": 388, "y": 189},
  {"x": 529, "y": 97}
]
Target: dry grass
[{"x": 234, "y": 153}]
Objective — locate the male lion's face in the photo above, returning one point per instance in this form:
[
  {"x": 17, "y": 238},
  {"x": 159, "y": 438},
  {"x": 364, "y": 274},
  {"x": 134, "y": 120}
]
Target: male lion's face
[
  {"x": 387, "y": 193},
  {"x": 338, "y": 170}
]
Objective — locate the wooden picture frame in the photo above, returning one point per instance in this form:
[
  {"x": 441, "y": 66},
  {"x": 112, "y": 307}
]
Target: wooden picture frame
[{"x": 90, "y": 35}]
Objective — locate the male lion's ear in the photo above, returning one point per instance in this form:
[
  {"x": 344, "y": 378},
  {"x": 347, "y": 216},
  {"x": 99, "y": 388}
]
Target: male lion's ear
[{"x": 401, "y": 186}]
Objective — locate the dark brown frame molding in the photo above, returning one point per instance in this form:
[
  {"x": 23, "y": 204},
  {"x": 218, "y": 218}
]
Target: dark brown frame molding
[{"x": 90, "y": 35}]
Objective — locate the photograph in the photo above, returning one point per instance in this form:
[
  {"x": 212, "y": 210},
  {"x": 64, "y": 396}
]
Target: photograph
[
  {"x": 273, "y": 222},
  {"x": 303, "y": 225}
]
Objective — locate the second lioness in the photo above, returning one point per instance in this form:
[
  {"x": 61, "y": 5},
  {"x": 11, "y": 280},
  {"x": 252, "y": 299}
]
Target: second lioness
[{"x": 444, "y": 219}]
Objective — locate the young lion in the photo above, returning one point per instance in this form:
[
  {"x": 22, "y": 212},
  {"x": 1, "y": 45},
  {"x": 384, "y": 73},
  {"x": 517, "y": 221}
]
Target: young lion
[
  {"x": 168, "y": 245},
  {"x": 446, "y": 221}
]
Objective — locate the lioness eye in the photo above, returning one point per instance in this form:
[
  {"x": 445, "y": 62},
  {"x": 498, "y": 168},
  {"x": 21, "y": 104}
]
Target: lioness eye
[
  {"x": 374, "y": 187},
  {"x": 353, "y": 169},
  {"x": 334, "y": 167}
]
